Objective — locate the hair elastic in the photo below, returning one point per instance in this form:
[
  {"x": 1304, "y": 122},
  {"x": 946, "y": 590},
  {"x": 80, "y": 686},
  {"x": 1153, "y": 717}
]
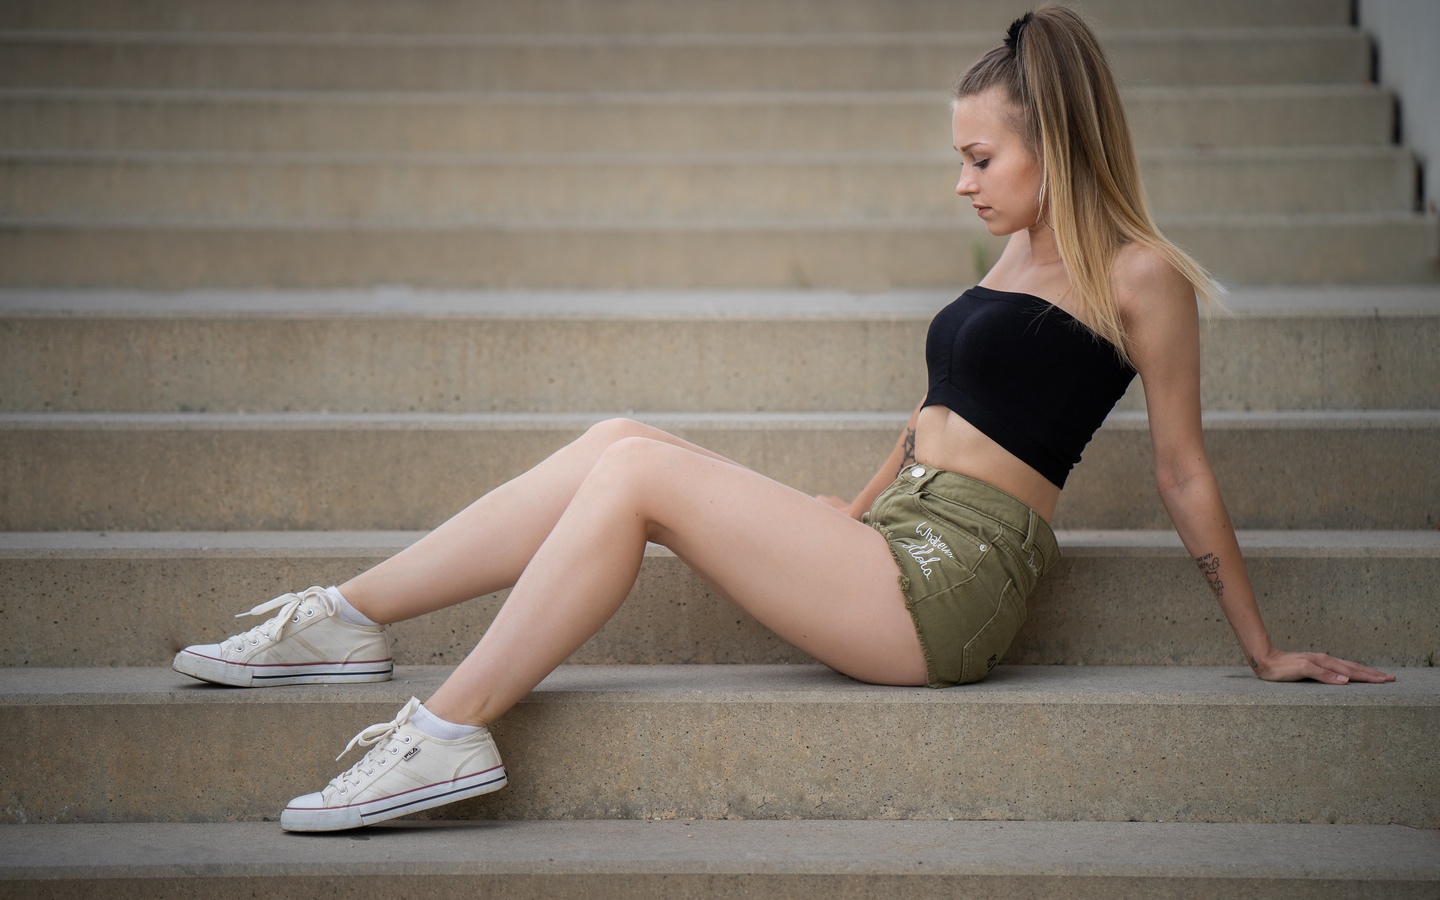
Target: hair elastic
[{"x": 1012, "y": 37}]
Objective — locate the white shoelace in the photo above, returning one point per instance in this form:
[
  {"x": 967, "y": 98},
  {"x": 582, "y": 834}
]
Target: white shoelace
[
  {"x": 373, "y": 734},
  {"x": 273, "y": 628}
]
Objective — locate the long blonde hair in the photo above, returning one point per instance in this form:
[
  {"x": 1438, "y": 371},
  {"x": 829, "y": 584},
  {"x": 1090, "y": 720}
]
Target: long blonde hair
[{"x": 1054, "y": 72}]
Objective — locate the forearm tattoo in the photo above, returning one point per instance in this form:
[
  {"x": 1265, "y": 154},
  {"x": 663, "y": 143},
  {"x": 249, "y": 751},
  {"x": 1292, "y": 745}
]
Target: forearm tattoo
[
  {"x": 1210, "y": 568},
  {"x": 909, "y": 447}
]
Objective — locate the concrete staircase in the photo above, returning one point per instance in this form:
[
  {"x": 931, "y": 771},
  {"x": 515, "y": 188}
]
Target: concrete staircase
[{"x": 283, "y": 283}]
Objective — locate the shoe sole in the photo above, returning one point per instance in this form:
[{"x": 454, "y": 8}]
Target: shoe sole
[
  {"x": 384, "y": 808},
  {"x": 218, "y": 671}
]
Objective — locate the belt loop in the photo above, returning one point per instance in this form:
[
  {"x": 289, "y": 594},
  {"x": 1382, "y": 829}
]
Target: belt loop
[{"x": 1032, "y": 527}]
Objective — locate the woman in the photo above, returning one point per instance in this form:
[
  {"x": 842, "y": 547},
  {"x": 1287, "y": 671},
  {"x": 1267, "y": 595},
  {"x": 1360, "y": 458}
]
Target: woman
[{"x": 1023, "y": 368}]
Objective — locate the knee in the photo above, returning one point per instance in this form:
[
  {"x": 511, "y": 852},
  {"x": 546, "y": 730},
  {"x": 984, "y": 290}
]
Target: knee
[
  {"x": 631, "y": 453},
  {"x": 628, "y": 464},
  {"x": 612, "y": 431}
]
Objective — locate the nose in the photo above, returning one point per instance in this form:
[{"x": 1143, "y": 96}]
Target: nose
[{"x": 966, "y": 185}]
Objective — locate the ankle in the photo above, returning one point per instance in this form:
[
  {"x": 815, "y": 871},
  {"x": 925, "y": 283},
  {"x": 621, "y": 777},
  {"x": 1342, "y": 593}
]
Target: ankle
[
  {"x": 441, "y": 729},
  {"x": 346, "y": 610}
]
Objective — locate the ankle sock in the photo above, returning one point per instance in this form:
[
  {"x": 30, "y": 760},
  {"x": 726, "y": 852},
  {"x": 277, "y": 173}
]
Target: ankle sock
[
  {"x": 438, "y": 728},
  {"x": 345, "y": 611}
]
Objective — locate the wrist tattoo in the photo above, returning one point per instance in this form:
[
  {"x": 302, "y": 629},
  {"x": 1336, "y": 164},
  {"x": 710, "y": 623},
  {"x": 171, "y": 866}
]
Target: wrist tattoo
[
  {"x": 1210, "y": 568},
  {"x": 908, "y": 446}
]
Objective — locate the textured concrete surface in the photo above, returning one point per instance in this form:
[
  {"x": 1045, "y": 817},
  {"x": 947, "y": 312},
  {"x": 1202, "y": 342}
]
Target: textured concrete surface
[
  {"x": 703, "y": 121},
  {"x": 1280, "y": 470},
  {"x": 1188, "y": 744},
  {"x": 710, "y": 858},
  {"x": 1117, "y": 598},
  {"x": 309, "y": 471},
  {"x": 421, "y": 351},
  {"x": 1344, "y": 248},
  {"x": 814, "y": 61},
  {"x": 1297, "y": 302},
  {"x": 602, "y": 188},
  {"x": 659, "y": 16}
]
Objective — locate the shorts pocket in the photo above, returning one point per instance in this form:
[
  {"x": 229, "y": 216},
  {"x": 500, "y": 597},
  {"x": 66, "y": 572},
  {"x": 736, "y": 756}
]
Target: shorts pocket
[
  {"x": 962, "y": 542},
  {"x": 987, "y": 648}
]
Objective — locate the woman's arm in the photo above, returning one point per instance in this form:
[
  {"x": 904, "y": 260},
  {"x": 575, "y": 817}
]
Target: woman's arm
[
  {"x": 902, "y": 456},
  {"x": 1163, "y": 324}
]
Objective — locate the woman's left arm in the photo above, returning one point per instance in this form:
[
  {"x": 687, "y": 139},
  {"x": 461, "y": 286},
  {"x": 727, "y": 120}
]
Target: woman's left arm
[{"x": 1163, "y": 325}]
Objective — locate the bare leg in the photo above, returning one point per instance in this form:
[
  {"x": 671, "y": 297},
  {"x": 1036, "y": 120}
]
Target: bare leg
[
  {"x": 486, "y": 546},
  {"x": 818, "y": 578}
]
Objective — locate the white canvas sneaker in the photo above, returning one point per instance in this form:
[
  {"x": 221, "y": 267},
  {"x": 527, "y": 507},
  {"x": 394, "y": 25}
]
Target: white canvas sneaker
[
  {"x": 305, "y": 642},
  {"x": 405, "y": 771}
]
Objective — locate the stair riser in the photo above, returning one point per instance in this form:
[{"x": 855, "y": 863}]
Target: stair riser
[
  {"x": 607, "y": 191},
  {"x": 855, "y": 257},
  {"x": 405, "y": 477},
  {"x": 1095, "y": 609},
  {"x": 731, "y": 859},
  {"x": 568, "y": 756},
  {"x": 669, "y": 885},
  {"x": 756, "y": 122},
  {"x": 651, "y": 16},
  {"x": 260, "y": 363},
  {"x": 918, "y": 62}
]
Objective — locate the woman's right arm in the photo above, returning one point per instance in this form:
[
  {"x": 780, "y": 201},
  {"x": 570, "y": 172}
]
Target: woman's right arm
[{"x": 900, "y": 457}]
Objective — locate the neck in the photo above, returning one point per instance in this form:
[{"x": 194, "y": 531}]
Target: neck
[{"x": 1043, "y": 249}]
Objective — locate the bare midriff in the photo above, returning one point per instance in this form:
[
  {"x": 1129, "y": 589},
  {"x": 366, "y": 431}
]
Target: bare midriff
[{"x": 944, "y": 440}]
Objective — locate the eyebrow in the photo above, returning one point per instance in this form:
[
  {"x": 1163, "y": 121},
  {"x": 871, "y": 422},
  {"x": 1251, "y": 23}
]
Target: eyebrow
[{"x": 968, "y": 146}]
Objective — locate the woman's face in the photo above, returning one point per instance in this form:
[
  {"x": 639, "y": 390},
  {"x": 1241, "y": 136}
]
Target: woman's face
[{"x": 999, "y": 175}]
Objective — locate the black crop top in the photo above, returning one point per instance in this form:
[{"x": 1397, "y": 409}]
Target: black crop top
[{"x": 1026, "y": 373}]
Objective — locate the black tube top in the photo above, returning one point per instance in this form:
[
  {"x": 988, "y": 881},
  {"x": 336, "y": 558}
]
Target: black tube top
[{"x": 1026, "y": 373}]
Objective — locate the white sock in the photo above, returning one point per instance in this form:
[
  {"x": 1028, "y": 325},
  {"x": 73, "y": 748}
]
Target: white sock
[
  {"x": 345, "y": 611},
  {"x": 437, "y": 727}
]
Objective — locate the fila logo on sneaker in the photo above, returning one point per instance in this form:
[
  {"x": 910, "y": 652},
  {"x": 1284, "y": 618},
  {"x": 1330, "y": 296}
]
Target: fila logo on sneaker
[{"x": 409, "y": 753}]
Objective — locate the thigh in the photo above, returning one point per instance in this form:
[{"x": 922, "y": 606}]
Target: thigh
[{"x": 820, "y": 579}]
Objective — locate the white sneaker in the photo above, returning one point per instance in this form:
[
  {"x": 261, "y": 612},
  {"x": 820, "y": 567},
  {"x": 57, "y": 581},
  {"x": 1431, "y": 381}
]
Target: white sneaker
[
  {"x": 305, "y": 642},
  {"x": 406, "y": 771}
]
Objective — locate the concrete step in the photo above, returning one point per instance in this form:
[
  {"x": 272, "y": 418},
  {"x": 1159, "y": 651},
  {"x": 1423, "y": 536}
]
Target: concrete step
[
  {"x": 643, "y": 121},
  {"x": 1117, "y": 598},
  {"x": 780, "y": 351},
  {"x": 806, "y": 860},
  {"x": 520, "y": 188},
  {"x": 150, "y": 471},
  {"x": 653, "y": 16},
  {"x": 856, "y": 255},
  {"x": 1088, "y": 743},
  {"x": 568, "y": 62}
]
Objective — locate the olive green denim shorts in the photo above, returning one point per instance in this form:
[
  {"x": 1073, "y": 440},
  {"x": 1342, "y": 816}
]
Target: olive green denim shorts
[{"x": 969, "y": 556}]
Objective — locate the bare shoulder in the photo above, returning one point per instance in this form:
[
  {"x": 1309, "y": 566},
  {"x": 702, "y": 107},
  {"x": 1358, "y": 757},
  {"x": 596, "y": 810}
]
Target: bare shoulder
[{"x": 1148, "y": 286}]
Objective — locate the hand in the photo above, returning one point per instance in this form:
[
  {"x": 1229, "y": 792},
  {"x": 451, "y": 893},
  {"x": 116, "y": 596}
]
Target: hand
[
  {"x": 838, "y": 503},
  {"x": 1280, "y": 666}
]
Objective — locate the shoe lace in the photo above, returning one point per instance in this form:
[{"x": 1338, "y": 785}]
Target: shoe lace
[
  {"x": 377, "y": 735},
  {"x": 273, "y": 628}
]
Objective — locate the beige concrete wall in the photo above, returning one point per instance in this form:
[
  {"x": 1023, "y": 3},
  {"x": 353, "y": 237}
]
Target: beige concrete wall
[{"x": 1407, "y": 33}]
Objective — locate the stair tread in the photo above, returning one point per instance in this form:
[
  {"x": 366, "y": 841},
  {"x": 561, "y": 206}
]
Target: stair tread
[
  {"x": 1036, "y": 685},
  {"x": 1341, "y": 301},
  {"x": 1094, "y": 849},
  {"x": 1073, "y": 543},
  {"x": 1120, "y": 420}
]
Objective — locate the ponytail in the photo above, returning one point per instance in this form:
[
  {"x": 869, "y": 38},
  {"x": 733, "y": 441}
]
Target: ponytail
[{"x": 1054, "y": 72}]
